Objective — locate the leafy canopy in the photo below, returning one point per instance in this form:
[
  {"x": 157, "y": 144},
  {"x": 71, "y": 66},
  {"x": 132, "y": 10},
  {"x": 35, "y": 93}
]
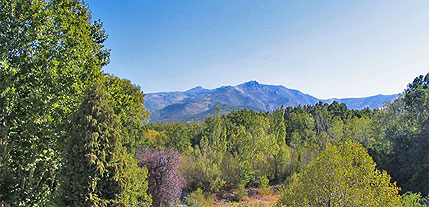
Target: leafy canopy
[{"x": 342, "y": 175}]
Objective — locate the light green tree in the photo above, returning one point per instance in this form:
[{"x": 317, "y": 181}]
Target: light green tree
[
  {"x": 343, "y": 175},
  {"x": 301, "y": 138},
  {"x": 127, "y": 103},
  {"x": 50, "y": 51},
  {"x": 281, "y": 158}
]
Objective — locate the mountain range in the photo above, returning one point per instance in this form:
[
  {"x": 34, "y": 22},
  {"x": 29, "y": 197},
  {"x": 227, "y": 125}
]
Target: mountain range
[{"x": 198, "y": 103}]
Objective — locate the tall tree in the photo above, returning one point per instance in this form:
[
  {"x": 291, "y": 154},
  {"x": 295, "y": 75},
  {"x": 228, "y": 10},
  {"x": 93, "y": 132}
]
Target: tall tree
[
  {"x": 49, "y": 52},
  {"x": 407, "y": 127},
  {"x": 128, "y": 101},
  {"x": 97, "y": 169},
  {"x": 278, "y": 130}
]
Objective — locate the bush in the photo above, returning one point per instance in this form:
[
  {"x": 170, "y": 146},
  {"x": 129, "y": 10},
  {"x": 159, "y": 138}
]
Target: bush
[
  {"x": 241, "y": 192},
  {"x": 264, "y": 185},
  {"x": 343, "y": 175},
  {"x": 165, "y": 182},
  {"x": 196, "y": 198},
  {"x": 412, "y": 200}
]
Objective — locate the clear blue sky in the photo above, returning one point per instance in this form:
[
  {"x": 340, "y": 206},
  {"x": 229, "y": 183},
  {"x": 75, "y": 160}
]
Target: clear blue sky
[{"x": 323, "y": 48}]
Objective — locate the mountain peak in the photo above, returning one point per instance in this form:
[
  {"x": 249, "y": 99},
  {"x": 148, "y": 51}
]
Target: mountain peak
[
  {"x": 250, "y": 84},
  {"x": 198, "y": 102},
  {"x": 197, "y": 90}
]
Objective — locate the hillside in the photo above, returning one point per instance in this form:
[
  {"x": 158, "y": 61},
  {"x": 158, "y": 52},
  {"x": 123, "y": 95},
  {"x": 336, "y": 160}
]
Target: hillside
[{"x": 197, "y": 103}]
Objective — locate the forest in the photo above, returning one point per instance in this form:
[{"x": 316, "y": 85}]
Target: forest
[{"x": 73, "y": 135}]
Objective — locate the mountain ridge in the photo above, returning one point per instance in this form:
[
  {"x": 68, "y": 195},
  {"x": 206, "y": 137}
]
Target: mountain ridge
[{"x": 197, "y": 103}]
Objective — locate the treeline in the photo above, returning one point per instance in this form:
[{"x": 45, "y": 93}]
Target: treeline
[
  {"x": 72, "y": 135},
  {"x": 243, "y": 148}
]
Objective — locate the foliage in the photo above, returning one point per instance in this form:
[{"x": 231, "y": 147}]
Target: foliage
[
  {"x": 412, "y": 200},
  {"x": 406, "y": 125},
  {"x": 128, "y": 103},
  {"x": 49, "y": 53},
  {"x": 341, "y": 176},
  {"x": 196, "y": 198},
  {"x": 165, "y": 182},
  {"x": 244, "y": 146},
  {"x": 251, "y": 145},
  {"x": 281, "y": 158},
  {"x": 97, "y": 170},
  {"x": 264, "y": 183},
  {"x": 241, "y": 193},
  {"x": 177, "y": 136}
]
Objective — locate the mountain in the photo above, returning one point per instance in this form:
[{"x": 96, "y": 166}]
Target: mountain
[{"x": 197, "y": 103}]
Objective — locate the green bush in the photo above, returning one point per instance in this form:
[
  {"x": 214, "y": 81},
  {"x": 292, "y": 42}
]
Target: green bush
[
  {"x": 343, "y": 175},
  {"x": 412, "y": 200},
  {"x": 241, "y": 193},
  {"x": 196, "y": 198}
]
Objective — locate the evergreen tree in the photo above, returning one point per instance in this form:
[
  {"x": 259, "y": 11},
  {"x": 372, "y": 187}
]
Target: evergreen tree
[{"x": 97, "y": 169}]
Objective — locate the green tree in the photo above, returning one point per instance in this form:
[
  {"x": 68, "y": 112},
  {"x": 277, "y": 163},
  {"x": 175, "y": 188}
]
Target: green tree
[
  {"x": 280, "y": 159},
  {"x": 128, "y": 101},
  {"x": 301, "y": 138},
  {"x": 97, "y": 170},
  {"x": 406, "y": 122},
  {"x": 250, "y": 144},
  {"x": 49, "y": 53},
  {"x": 343, "y": 175},
  {"x": 202, "y": 167}
]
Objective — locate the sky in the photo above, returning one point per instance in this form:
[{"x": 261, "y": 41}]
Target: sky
[{"x": 328, "y": 49}]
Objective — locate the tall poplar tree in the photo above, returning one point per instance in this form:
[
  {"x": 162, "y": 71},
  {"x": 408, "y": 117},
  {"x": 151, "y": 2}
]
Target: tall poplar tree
[
  {"x": 281, "y": 157},
  {"x": 49, "y": 52}
]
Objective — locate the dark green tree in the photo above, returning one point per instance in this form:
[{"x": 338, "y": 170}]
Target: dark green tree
[
  {"x": 97, "y": 170},
  {"x": 406, "y": 123}
]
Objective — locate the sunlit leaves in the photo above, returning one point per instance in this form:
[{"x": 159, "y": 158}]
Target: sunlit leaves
[{"x": 341, "y": 176}]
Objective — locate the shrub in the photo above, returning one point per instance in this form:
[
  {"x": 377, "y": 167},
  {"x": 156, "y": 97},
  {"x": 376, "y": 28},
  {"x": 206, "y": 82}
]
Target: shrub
[
  {"x": 165, "y": 182},
  {"x": 343, "y": 175},
  {"x": 196, "y": 198},
  {"x": 412, "y": 200}
]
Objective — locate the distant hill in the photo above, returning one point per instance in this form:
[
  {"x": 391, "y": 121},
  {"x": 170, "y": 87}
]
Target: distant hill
[{"x": 197, "y": 103}]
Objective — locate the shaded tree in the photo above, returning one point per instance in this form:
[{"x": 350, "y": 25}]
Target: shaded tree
[
  {"x": 97, "y": 170},
  {"x": 406, "y": 122}
]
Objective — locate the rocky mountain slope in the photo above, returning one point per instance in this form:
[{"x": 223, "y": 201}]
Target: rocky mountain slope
[{"x": 197, "y": 103}]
